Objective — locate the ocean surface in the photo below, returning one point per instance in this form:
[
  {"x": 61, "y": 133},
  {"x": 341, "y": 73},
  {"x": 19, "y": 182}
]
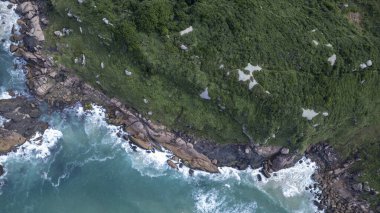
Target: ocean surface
[{"x": 79, "y": 165}]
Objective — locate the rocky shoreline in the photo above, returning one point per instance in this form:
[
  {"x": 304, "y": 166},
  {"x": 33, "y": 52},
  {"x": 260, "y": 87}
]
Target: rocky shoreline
[
  {"x": 21, "y": 123},
  {"x": 60, "y": 87},
  {"x": 340, "y": 188}
]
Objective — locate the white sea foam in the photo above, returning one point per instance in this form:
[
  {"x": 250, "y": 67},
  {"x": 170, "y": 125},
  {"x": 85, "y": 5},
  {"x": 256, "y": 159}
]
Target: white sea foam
[
  {"x": 286, "y": 186},
  {"x": 214, "y": 201},
  {"x": 4, "y": 95},
  {"x": 3, "y": 121},
  {"x": 149, "y": 164},
  {"x": 292, "y": 181}
]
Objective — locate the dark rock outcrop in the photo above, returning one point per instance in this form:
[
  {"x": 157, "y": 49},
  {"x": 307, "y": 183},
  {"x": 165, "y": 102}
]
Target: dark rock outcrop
[
  {"x": 232, "y": 155},
  {"x": 23, "y": 116},
  {"x": 340, "y": 191},
  {"x": 283, "y": 161}
]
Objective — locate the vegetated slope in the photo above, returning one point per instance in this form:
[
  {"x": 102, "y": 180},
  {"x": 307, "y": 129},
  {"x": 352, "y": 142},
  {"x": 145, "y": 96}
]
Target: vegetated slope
[{"x": 312, "y": 55}]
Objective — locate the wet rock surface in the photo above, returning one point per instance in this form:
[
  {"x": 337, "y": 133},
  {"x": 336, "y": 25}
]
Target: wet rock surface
[
  {"x": 231, "y": 155},
  {"x": 340, "y": 192},
  {"x": 22, "y": 122},
  {"x": 23, "y": 116}
]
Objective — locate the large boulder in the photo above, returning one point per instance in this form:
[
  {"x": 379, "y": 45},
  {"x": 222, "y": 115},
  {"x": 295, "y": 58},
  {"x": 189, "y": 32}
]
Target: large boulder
[
  {"x": 195, "y": 159},
  {"x": 36, "y": 29},
  {"x": 282, "y": 162},
  {"x": 267, "y": 151},
  {"x": 140, "y": 142},
  {"x": 26, "y": 7},
  {"x": 9, "y": 140}
]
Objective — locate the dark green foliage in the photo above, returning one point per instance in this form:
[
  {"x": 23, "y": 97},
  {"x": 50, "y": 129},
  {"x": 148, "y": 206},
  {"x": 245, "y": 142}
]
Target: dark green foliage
[{"x": 153, "y": 16}]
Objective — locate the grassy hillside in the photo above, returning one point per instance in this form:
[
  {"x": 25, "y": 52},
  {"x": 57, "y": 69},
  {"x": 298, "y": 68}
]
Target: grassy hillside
[{"x": 290, "y": 40}]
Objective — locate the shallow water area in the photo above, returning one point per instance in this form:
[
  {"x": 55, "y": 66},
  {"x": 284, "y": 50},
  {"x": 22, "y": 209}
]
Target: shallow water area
[{"x": 80, "y": 165}]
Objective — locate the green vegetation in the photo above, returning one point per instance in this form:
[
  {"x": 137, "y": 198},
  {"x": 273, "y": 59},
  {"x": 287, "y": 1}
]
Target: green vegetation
[{"x": 144, "y": 38}]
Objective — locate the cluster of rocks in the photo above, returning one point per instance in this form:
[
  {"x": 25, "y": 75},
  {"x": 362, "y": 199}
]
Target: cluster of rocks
[
  {"x": 31, "y": 25},
  {"x": 63, "y": 32},
  {"x": 339, "y": 188},
  {"x": 22, "y": 122},
  {"x": 22, "y": 115},
  {"x": 242, "y": 156},
  {"x": 71, "y": 15}
]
